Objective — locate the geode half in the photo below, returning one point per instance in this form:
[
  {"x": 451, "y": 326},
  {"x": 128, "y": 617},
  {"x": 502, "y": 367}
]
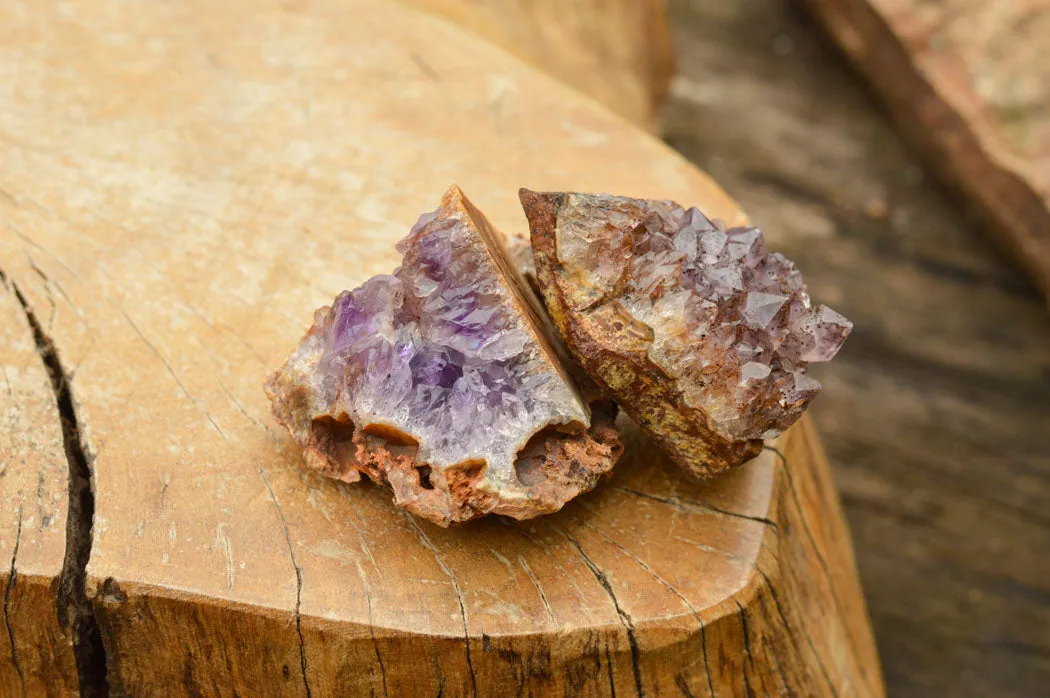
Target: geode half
[
  {"x": 696, "y": 331},
  {"x": 441, "y": 381}
]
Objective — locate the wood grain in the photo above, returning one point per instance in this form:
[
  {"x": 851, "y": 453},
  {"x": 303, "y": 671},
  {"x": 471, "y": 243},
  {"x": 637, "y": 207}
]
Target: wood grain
[
  {"x": 936, "y": 414},
  {"x": 617, "y": 51},
  {"x": 970, "y": 84},
  {"x": 206, "y": 177}
]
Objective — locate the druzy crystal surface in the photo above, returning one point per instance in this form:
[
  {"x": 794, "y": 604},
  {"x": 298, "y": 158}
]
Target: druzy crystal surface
[
  {"x": 435, "y": 378},
  {"x": 694, "y": 327}
]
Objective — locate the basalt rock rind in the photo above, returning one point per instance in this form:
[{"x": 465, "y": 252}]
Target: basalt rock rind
[
  {"x": 690, "y": 327},
  {"x": 440, "y": 381}
]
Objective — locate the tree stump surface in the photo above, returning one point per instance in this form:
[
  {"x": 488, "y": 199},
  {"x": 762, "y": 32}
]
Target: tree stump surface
[
  {"x": 619, "y": 52},
  {"x": 970, "y": 83},
  {"x": 182, "y": 185}
]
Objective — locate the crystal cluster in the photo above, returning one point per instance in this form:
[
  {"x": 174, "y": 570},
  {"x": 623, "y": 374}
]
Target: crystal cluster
[
  {"x": 692, "y": 327},
  {"x": 439, "y": 381}
]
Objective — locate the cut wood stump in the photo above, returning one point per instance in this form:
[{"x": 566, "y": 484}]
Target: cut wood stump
[
  {"x": 970, "y": 84},
  {"x": 181, "y": 186},
  {"x": 620, "y": 52}
]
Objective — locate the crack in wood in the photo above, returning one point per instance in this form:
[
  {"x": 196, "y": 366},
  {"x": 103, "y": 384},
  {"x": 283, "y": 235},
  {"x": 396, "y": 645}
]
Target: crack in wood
[
  {"x": 539, "y": 590},
  {"x": 440, "y": 677},
  {"x": 10, "y": 388},
  {"x": 673, "y": 590},
  {"x": 7, "y": 603},
  {"x": 47, "y": 291},
  {"x": 360, "y": 534},
  {"x": 625, "y": 618},
  {"x": 459, "y": 595},
  {"x": 772, "y": 652},
  {"x": 171, "y": 371},
  {"x": 748, "y": 691},
  {"x": 584, "y": 606},
  {"x": 791, "y": 634},
  {"x": 707, "y": 663},
  {"x": 372, "y": 625},
  {"x": 609, "y": 665},
  {"x": 75, "y": 612},
  {"x": 364, "y": 581},
  {"x": 696, "y": 505},
  {"x": 298, "y": 584},
  {"x": 240, "y": 407},
  {"x": 683, "y": 687},
  {"x": 816, "y": 549}
]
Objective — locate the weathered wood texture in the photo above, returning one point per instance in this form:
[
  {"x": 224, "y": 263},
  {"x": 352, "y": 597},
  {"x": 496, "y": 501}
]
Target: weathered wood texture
[
  {"x": 969, "y": 81},
  {"x": 936, "y": 414},
  {"x": 181, "y": 186},
  {"x": 617, "y": 51}
]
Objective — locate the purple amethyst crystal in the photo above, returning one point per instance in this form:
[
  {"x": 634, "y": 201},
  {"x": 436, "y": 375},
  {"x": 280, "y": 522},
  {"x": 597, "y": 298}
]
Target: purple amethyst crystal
[
  {"x": 443, "y": 358},
  {"x": 692, "y": 327}
]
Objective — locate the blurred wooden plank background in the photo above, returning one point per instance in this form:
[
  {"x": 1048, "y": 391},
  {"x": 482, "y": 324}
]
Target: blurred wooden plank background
[
  {"x": 936, "y": 415},
  {"x": 969, "y": 82}
]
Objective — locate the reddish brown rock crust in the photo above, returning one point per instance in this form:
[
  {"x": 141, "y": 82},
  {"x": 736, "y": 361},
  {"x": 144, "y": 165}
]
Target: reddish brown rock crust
[
  {"x": 616, "y": 359},
  {"x": 553, "y": 468}
]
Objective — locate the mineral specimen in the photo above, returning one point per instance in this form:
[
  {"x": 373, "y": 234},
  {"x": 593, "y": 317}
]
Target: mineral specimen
[
  {"x": 692, "y": 328},
  {"x": 440, "y": 381}
]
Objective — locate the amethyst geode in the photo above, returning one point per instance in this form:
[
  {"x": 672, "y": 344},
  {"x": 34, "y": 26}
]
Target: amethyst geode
[
  {"x": 691, "y": 327},
  {"x": 439, "y": 381}
]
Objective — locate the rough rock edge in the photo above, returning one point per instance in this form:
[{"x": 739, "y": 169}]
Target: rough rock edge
[
  {"x": 643, "y": 389},
  {"x": 519, "y": 251},
  {"x": 554, "y": 466},
  {"x": 557, "y": 463}
]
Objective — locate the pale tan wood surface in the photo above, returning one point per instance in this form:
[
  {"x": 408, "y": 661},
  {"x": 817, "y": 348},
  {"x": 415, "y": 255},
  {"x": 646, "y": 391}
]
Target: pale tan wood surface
[
  {"x": 193, "y": 180},
  {"x": 619, "y": 52},
  {"x": 969, "y": 81}
]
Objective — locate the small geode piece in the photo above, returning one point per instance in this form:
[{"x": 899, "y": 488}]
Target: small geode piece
[
  {"x": 692, "y": 328},
  {"x": 439, "y": 381}
]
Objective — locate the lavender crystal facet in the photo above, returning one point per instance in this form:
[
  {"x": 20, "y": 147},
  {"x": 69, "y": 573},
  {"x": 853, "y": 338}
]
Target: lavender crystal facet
[
  {"x": 732, "y": 324},
  {"x": 443, "y": 355}
]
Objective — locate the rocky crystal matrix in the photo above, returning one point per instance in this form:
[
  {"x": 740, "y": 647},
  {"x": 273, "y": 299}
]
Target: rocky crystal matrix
[
  {"x": 438, "y": 381},
  {"x": 693, "y": 328}
]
